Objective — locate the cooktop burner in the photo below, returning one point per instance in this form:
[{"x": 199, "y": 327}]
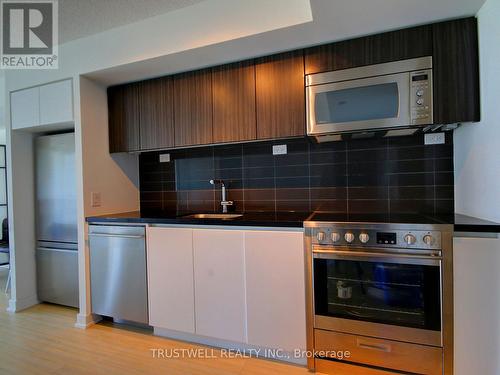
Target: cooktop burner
[{"x": 407, "y": 218}]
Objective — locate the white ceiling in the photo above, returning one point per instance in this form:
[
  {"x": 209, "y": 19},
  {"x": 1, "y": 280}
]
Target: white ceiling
[
  {"x": 333, "y": 20},
  {"x": 81, "y": 18}
]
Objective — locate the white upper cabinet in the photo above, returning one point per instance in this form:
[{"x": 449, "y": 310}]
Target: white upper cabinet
[
  {"x": 219, "y": 274},
  {"x": 25, "y": 108},
  {"x": 170, "y": 278},
  {"x": 56, "y": 103},
  {"x": 42, "y": 105},
  {"x": 276, "y": 312}
]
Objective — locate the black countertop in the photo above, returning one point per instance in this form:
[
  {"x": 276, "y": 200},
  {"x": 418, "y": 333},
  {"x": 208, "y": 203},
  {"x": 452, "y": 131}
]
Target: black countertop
[{"x": 462, "y": 223}]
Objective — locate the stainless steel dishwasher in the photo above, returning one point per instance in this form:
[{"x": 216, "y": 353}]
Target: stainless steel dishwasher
[{"x": 118, "y": 272}]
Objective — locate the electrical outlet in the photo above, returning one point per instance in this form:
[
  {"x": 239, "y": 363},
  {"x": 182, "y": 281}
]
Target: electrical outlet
[
  {"x": 434, "y": 138},
  {"x": 164, "y": 158},
  {"x": 95, "y": 199},
  {"x": 279, "y": 150}
]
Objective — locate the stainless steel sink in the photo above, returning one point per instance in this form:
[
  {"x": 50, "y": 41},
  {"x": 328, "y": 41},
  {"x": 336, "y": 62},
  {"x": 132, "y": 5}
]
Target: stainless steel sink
[{"x": 213, "y": 216}]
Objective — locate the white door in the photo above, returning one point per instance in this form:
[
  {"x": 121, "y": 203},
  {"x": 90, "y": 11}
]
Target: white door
[
  {"x": 24, "y": 108},
  {"x": 276, "y": 316},
  {"x": 56, "y": 102},
  {"x": 170, "y": 278},
  {"x": 219, "y": 275}
]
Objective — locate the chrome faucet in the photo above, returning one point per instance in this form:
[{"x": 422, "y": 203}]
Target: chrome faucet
[{"x": 224, "y": 203}]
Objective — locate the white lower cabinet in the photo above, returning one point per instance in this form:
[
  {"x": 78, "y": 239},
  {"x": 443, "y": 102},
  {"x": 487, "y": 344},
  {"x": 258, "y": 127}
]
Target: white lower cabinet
[
  {"x": 276, "y": 309},
  {"x": 476, "y": 294},
  {"x": 170, "y": 278},
  {"x": 242, "y": 286},
  {"x": 219, "y": 277}
]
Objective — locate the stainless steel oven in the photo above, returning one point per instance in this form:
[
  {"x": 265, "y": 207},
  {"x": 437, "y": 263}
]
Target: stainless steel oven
[
  {"x": 400, "y": 289},
  {"x": 391, "y": 95},
  {"x": 378, "y": 287}
]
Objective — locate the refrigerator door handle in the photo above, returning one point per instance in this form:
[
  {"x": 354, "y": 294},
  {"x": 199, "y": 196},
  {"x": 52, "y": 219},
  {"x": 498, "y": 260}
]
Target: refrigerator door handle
[{"x": 116, "y": 235}]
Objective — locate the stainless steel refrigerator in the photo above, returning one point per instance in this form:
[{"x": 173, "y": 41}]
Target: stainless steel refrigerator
[{"x": 56, "y": 219}]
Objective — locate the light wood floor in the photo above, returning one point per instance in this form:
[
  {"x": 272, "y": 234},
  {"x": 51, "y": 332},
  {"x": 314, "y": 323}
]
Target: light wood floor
[{"x": 42, "y": 340}]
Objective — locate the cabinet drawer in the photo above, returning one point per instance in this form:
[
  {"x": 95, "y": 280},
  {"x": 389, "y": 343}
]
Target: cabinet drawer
[
  {"x": 325, "y": 366},
  {"x": 383, "y": 353}
]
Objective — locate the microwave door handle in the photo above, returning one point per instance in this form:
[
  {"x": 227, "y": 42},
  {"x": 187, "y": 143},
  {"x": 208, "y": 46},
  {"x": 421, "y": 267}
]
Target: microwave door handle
[{"x": 377, "y": 257}]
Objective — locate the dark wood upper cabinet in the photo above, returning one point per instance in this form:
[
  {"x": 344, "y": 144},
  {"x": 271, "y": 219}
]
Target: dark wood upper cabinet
[
  {"x": 115, "y": 119},
  {"x": 233, "y": 89},
  {"x": 374, "y": 49},
  {"x": 456, "y": 71},
  {"x": 193, "y": 108},
  {"x": 123, "y": 110},
  {"x": 265, "y": 98},
  {"x": 156, "y": 113},
  {"x": 280, "y": 95}
]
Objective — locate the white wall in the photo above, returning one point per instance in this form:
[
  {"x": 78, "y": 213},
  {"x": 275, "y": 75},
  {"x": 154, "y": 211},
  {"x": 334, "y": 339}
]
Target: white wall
[
  {"x": 3, "y": 141},
  {"x": 3, "y": 127},
  {"x": 202, "y": 24},
  {"x": 476, "y": 285},
  {"x": 22, "y": 219},
  {"x": 115, "y": 177},
  {"x": 255, "y": 27},
  {"x": 477, "y": 146},
  {"x": 220, "y": 31},
  {"x": 21, "y": 205}
]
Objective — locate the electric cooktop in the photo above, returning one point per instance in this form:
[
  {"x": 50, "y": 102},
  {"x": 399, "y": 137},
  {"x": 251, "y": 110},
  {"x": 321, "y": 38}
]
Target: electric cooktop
[{"x": 403, "y": 218}]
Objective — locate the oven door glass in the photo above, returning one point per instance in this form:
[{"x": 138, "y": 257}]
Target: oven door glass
[{"x": 407, "y": 295}]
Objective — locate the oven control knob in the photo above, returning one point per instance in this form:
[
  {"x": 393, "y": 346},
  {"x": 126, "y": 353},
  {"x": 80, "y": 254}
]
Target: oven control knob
[
  {"x": 410, "y": 239},
  {"x": 420, "y": 92},
  {"x": 428, "y": 239},
  {"x": 364, "y": 237},
  {"x": 420, "y": 101},
  {"x": 349, "y": 237},
  {"x": 320, "y": 236},
  {"x": 335, "y": 237}
]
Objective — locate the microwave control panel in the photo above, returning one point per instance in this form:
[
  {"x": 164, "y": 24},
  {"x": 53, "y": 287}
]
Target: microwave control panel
[{"x": 421, "y": 97}]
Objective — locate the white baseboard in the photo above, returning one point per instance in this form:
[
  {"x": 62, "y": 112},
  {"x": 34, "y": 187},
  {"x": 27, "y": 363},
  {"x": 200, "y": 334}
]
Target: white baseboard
[
  {"x": 235, "y": 346},
  {"x": 84, "y": 321},
  {"x": 18, "y": 304},
  {"x": 12, "y": 306}
]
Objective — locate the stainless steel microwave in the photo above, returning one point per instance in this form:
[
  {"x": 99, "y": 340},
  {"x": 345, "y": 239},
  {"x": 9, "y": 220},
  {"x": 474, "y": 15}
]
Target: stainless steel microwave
[{"x": 375, "y": 97}]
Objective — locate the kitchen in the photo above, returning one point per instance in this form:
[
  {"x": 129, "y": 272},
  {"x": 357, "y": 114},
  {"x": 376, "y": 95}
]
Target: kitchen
[{"x": 343, "y": 228}]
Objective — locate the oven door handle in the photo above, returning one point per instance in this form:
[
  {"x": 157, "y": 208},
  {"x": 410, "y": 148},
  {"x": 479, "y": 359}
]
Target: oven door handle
[{"x": 364, "y": 256}]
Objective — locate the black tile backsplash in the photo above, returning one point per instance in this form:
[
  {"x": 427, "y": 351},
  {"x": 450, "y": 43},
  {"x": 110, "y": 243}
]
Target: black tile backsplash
[{"x": 379, "y": 175}]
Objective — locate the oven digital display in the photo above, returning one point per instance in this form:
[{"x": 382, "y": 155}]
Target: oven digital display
[{"x": 386, "y": 238}]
